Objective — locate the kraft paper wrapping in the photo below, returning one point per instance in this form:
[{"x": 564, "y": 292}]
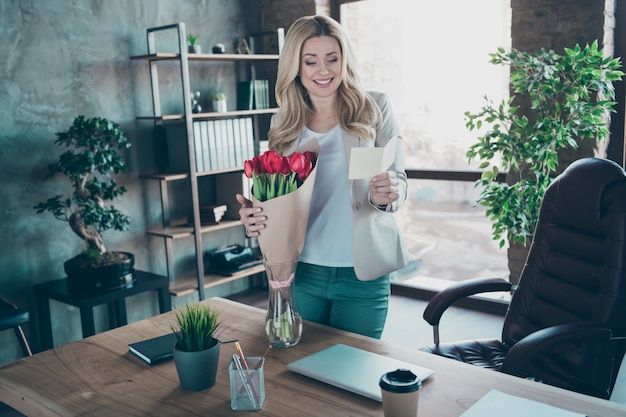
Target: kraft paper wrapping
[{"x": 282, "y": 240}]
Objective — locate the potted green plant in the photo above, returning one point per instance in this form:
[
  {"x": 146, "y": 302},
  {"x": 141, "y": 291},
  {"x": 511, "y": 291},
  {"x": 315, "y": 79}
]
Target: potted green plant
[
  {"x": 91, "y": 154},
  {"x": 557, "y": 102},
  {"x": 194, "y": 47},
  {"x": 197, "y": 349},
  {"x": 220, "y": 103}
]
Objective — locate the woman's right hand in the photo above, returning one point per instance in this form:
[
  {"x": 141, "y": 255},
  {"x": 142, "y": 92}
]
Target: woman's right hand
[{"x": 251, "y": 217}]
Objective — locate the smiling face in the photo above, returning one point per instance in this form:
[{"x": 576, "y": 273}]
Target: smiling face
[{"x": 320, "y": 66}]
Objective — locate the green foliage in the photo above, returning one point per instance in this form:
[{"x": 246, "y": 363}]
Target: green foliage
[
  {"x": 195, "y": 328},
  {"x": 92, "y": 146},
  {"x": 192, "y": 39},
  {"x": 569, "y": 98}
]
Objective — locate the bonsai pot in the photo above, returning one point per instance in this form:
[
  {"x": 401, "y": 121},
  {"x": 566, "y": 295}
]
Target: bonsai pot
[{"x": 85, "y": 278}]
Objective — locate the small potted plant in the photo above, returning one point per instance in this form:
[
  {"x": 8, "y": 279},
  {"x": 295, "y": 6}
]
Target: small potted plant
[
  {"x": 220, "y": 103},
  {"x": 90, "y": 158},
  {"x": 197, "y": 349},
  {"x": 194, "y": 47}
]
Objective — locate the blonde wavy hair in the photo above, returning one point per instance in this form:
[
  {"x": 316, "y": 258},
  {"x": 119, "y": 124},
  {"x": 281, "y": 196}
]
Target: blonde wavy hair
[{"x": 356, "y": 111}]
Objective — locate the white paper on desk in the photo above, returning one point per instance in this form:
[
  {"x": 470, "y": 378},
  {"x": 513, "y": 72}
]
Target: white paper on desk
[
  {"x": 499, "y": 404},
  {"x": 367, "y": 162}
]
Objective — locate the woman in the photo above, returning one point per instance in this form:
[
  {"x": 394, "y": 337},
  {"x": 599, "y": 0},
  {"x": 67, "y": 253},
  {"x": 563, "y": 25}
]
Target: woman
[{"x": 352, "y": 240}]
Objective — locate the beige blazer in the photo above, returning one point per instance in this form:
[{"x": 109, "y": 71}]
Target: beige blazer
[{"x": 378, "y": 245}]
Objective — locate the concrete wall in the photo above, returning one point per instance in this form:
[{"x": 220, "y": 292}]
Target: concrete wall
[{"x": 64, "y": 58}]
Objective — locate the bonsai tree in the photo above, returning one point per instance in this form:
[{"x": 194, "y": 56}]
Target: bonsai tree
[
  {"x": 92, "y": 153},
  {"x": 556, "y": 102}
]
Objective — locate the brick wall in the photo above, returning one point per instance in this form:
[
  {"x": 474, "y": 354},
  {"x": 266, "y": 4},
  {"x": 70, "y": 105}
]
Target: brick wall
[{"x": 554, "y": 24}]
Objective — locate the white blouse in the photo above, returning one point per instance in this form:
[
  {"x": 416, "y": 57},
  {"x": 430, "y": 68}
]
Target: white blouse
[{"x": 329, "y": 237}]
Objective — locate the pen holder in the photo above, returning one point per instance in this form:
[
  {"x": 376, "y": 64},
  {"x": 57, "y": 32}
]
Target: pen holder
[{"x": 247, "y": 386}]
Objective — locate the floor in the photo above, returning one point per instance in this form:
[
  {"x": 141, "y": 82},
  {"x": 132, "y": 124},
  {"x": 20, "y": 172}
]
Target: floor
[{"x": 406, "y": 326}]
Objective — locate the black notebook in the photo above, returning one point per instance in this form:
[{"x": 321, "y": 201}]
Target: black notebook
[{"x": 155, "y": 350}]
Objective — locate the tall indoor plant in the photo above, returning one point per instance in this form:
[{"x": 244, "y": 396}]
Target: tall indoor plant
[
  {"x": 557, "y": 101},
  {"x": 90, "y": 158}
]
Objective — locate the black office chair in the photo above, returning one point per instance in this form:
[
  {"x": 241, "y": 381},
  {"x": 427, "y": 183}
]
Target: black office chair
[
  {"x": 566, "y": 323},
  {"x": 12, "y": 317}
]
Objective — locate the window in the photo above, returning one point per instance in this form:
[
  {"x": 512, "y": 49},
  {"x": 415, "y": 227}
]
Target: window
[{"x": 432, "y": 59}]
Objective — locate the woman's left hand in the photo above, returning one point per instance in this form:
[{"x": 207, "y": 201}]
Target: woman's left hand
[{"x": 384, "y": 188}]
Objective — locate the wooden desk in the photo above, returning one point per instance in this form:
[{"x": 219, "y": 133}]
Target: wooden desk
[
  {"x": 115, "y": 300},
  {"x": 97, "y": 376}
]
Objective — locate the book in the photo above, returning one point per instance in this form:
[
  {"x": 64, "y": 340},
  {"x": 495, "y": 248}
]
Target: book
[
  {"x": 248, "y": 133},
  {"x": 212, "y": 139},
  {"x": 245, "y": 95},
  {"x": 198, "y": 146},
  {"x": 206, "y": 151},
  {"x": 154, "y": 350},
  {"x": 237, "y": 150},
  {"x": 230, "y": 144}
]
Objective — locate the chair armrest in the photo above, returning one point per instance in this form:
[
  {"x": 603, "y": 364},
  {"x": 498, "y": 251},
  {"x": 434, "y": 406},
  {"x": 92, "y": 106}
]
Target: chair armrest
[
  {"x": 444, "y": 299},
  {"x": 524, "y": 352}
]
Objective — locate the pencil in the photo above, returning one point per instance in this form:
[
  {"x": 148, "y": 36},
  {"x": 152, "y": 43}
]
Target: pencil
[{"x": 241, "y": 355}]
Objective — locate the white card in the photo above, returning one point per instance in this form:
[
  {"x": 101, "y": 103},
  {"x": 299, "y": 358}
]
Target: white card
[{"x": 367, "y": 162}]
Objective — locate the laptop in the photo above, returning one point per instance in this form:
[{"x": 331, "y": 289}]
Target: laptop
[{"x": 352, "y": 369}]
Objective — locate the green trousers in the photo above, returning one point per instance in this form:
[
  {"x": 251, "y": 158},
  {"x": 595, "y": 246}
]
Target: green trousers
[{"x": 335, "y": 297}]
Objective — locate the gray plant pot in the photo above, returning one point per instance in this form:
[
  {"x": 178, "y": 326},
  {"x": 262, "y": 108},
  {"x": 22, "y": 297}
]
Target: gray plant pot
[{"x": 197, "y": 370}]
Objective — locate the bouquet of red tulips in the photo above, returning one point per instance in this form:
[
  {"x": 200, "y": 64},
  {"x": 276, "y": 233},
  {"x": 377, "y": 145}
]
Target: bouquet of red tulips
[
  {"x": 283, "y": 187},
  {"x": 274, "y": 175}
]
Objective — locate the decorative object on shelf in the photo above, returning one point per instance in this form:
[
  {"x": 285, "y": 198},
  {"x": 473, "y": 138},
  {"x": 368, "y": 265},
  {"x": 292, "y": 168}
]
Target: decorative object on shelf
[
  {"x": 286, "y": 200},
  {"x": 92, "y": 149},
  {"x": 568, "y": 100},
  {"x": 243, "y": 47},
  {"x": 220, "y": 103},
  {"x": 195, "y": 102},
  {"x": 197, "y": 349},
  {"x": 219, "y": 48},
  {"x": 210, "y": 214},
  {"x": 194, "y": 47}
]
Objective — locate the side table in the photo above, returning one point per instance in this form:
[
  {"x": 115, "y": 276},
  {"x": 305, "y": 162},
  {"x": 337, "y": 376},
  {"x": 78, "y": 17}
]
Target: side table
[{"x": 115, "y": 300}]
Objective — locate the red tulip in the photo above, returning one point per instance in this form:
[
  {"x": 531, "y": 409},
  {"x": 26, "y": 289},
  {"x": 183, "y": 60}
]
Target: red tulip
[
  {"x": 296, "y": 162},
  {"x": 276, "y": 161},
  {"x": 285, "y": 168},
  {"x": 303, "y": 174},
  {"x": 247, "y": 169}
]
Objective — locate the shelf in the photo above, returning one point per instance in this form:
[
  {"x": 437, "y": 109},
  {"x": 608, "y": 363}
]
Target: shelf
[
  {"x": 176, "y": 176},
  {"x": 177, "y": 232},
  {"x": 189, "y": 284},
  {"x": 165, "y": 56},
  {"x": 209, "y": 115},
  {"x": 202, "y": 187}
]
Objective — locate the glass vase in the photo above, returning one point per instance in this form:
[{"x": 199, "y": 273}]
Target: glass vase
[{"x": 283, "y": 323}]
